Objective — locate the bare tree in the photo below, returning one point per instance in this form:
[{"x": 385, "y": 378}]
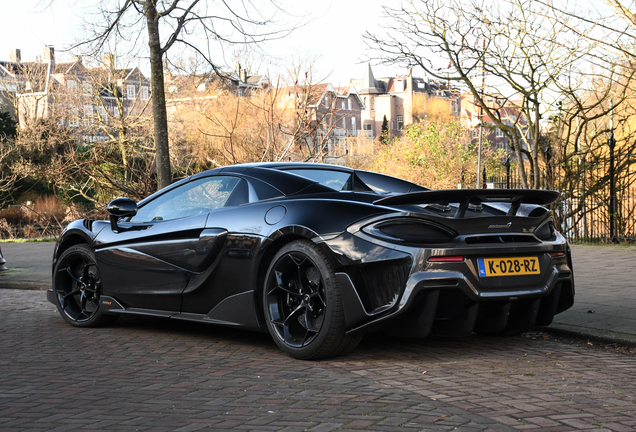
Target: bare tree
[
  {"x": 622, "y": 11},
  {"x": 167, "y": 23},
  {"x": 522, "y": 55}
]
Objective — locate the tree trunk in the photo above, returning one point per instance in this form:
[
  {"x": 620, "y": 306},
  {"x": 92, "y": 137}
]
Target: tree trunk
[
  {"x": 520, "y": 165},
  {"x": 162, "y": 150},
  {"x": 536, "y": 143}
]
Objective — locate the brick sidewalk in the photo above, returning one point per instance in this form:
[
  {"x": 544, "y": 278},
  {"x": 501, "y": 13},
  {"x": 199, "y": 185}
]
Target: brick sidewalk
[{"x": 156, "y": 375}]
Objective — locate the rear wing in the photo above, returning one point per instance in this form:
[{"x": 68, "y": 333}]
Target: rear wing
[{"x": 514, "y": 197}]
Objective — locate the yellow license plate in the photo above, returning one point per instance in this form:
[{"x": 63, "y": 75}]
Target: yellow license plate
[{"x": 508, "y": 266}]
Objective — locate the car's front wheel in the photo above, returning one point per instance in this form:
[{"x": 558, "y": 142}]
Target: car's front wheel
[
  {"x": 77, "y": 288},
  {"x": 302, "y": 304}
]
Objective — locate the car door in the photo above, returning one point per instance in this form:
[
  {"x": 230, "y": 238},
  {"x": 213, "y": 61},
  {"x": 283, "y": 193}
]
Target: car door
[{"x": 149, "y": 260}]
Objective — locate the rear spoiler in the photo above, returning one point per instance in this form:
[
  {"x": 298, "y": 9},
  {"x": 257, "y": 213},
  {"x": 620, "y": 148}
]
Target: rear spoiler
[{"x": 514, "y": 197}]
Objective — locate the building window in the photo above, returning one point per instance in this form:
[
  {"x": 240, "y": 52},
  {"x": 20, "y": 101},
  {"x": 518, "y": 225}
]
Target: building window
[
  {"x": 392, "y": 125},
  {"x": 400, "y": 122},
  {"x": 144, "y": 94},
  {"x": 372, "y": 104},
  {"x": 103, "y": 115},
  {"x": 343, "y": 105},
  {"x": 88, "y": 115},
  {"x": 453, "y": 105},
  {"x": 73, "y": 121},
  {"x": 71, "y": 85},
  {"x": 130, "y": 91},
  {"x": 499, "y": 133},
  {"x": 366, "y": 126},
  {"x": 353, "y": 125},
  {"x": 476, "y": 133},
  {"x": 350, "y": 104},
  {"x": 87, "y": 88}
]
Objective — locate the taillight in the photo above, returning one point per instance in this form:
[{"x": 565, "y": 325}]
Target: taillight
[
  {"x": 409, "y": 231},
  {"x": 446, "y": 259},
  {"x": 556, "y": 254}
]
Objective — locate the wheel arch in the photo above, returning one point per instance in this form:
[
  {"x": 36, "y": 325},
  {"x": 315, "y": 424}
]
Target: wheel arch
[
  {"x": 273, "y": 244},
  {"x": 70, "y": 238}
]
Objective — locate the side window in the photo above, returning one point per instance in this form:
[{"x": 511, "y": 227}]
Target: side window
[{"x": 190, "y": 199}]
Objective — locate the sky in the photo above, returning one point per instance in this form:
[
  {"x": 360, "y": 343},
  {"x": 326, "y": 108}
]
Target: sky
[{"x": 333, "y": 33}]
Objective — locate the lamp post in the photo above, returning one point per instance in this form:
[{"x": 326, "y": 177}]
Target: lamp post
[
  {"x": 611, "y": 142},
  {"x": 508, "y": 171}
]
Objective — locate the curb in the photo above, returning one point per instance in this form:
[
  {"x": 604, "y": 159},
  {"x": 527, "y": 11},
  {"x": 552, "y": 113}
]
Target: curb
[
  {"x": 29, "y": 286},
  {"x": 605, "y": 336}
]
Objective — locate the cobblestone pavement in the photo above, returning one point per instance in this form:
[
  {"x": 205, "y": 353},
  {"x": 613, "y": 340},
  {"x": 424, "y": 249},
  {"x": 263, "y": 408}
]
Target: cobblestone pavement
[{"x": 147, "y": 374}]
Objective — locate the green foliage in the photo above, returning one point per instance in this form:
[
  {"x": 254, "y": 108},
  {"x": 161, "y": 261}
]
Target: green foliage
[
  {"x": 8, "y": 126},
  {"x": 435, "y": 153},
  {"x": 384, "y": 135},
  {"x": 439, "y": 143}
]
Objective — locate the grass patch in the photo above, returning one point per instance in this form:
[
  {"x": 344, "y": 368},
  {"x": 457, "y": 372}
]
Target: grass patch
[{"x": 29, "y": 240}]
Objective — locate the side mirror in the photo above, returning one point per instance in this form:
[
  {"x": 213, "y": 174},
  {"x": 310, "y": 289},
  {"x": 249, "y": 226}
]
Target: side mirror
[{"x": 118, "y": 208}]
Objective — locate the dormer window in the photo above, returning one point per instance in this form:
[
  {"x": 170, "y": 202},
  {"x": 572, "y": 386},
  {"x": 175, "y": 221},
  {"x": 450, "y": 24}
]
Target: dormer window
[{"x": 130, "y": 91}]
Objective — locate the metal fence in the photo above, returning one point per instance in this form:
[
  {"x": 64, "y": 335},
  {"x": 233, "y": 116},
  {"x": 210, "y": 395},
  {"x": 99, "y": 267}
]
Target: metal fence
[{"x": 587, "y": 209}]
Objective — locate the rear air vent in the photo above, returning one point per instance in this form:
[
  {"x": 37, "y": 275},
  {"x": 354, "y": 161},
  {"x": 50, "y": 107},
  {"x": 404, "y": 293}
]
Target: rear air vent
[{"x": 500, "y": 239}]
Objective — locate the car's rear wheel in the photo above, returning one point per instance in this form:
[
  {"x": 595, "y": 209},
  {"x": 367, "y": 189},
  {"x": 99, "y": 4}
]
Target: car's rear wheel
[
  {"x": 77, "y": 288},
  {"x": 302, "y": 304}
]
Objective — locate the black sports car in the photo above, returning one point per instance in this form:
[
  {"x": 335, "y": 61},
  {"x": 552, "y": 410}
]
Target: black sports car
[
  {"x": 317, "y": 255},
  {"x": 2, "y": 262}
]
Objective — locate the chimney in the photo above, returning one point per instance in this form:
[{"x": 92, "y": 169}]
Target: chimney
[
  {"x": 244, "y": 75},
  {"x": 109, "y": 61},
  {"x": 49, "y": 54},
  {"x": 15, "y": 56}
]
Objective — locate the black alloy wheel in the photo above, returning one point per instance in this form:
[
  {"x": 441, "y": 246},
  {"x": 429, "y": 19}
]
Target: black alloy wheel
[
  {"x": 303, "y": 309},
  {"x": 77, "y": 287}
]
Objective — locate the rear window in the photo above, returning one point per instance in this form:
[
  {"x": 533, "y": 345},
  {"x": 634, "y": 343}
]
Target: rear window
[
  {"x": 336, "y": 180},
  {"x": 385, "y": 184}
]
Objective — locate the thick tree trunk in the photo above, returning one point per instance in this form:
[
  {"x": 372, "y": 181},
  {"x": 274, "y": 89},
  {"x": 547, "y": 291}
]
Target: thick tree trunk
[{"x": 162, "y": 150}]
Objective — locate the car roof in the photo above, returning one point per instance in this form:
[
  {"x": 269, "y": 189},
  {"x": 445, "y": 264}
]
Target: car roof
[{"x": 289, "y": 183}]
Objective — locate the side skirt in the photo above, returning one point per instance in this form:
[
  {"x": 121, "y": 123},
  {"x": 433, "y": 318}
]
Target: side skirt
[{"x": 237, "y": 311}]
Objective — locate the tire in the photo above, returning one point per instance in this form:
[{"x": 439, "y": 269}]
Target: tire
[
  {"x": 77, "y": 288},
  {"x": 302, "y": 304}
]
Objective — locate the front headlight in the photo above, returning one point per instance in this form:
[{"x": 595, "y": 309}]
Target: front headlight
[{"x": 409, "y": 231}]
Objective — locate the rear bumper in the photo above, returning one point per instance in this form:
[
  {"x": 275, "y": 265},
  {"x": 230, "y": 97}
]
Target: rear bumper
[{"x": 452, "y": 298}]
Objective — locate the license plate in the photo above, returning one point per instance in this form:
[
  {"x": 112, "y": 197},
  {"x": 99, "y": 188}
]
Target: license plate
[{"x": 508, "y": 266}]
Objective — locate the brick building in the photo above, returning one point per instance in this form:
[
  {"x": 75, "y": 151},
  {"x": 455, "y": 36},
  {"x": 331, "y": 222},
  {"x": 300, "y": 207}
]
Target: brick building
[
  {"x": 402, "y": 100},
  {"x": 69, "y": 93}
]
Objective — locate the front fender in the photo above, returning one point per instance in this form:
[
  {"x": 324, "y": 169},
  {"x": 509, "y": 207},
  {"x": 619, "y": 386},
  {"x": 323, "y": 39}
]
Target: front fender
[{"x": 81, "y": 231}]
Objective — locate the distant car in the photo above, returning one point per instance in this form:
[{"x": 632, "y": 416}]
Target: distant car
[
  {"x": 317, "y": 255},
  {"x": 3, "y": 262}
]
